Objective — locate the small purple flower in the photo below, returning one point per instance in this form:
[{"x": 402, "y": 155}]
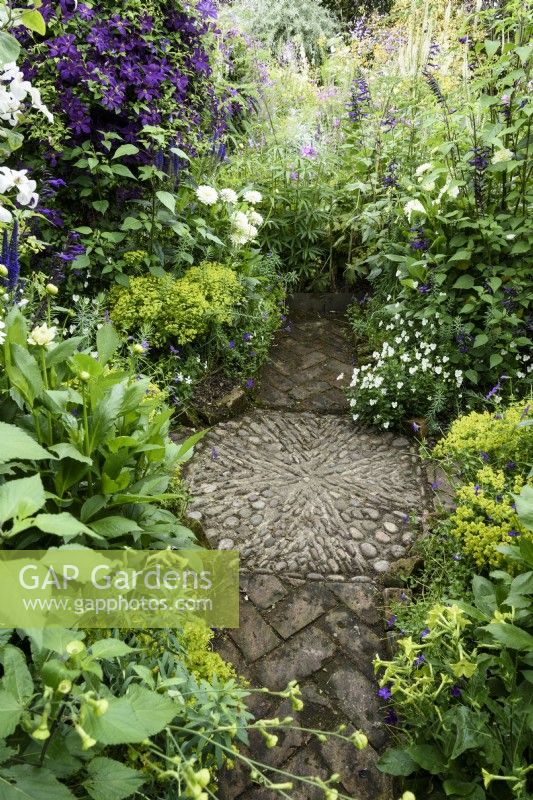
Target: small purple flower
[
  {"x": 247, "y": 337},
  {"x": 214, "y": 453},
  {"x": 385, "y": 692},
  {"x": 294, "y": 175},
  {"x": 391, "y": 718},
  {"x": 403, "y": 597},
  {"x": 494, "y": 391},
  {"x": 455, "y": 691},
  {"x": 405, "y": 519},
  {"x": 457, "y": 557},
  {"x": 484, "y": 456},
  {"x": 231, "y": 344},
  {"x": 419, "y": 660},
  {"x": 250, "y": 383},
  {"x": 463, "y": 39},
  {"x": 391, "y": 621},
  {"x": 477, "y": 489},
  {"x": 415, "y": 426},
  {"x": 435, "y": 485},
  {"x": 424, "y": 633},
  {"x": 308, "y": 151},
  {"x": 513, "y": 533}
]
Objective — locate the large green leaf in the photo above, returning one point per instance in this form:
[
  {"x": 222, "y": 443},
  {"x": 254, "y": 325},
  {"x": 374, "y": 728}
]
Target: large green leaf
[
  {"x": 17, "y": 444},
  {"x": 168, "y": 200},
  {"x": 34, "y": 21},
  {"x": 64, "y": 525},
  {"x": 66, "y": 450},
  {"x": 428, "y": 757},
  {"x": 467, "y": 730},
  {"x": 111, "y": 780},
  {"x": 484, "y": 595},
  {"x": 132, "y": 718},
  {"x": 17, "y": 678},
  {"x": 21, "y": 498},
  {"x": 107, "y": 342},
  {"x": 110, "y": 648},
  {"x": 111, "y": 527},
  {"x": 9, "y": 48},
  {"x": 23, "y": 782},
  {"x": 524, "y": 506},
  {"x": 10, "y": 711},
  {"x": 396, "y": 761},
  {"x": 511, "y": 636}
]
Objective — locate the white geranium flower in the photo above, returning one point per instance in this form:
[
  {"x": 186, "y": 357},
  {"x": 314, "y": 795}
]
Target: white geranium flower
[
  {"x": 502, "y": 155},
  {"x": 207, "y": 195},
  {"x": 42, "y": 336},
  {"x": 228, "y": 196},
  {"x": 253, "y": 197},
  {"x": 413, "y": 206}
]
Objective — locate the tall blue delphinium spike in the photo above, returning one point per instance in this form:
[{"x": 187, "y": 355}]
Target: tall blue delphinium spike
[
  {"x": 5, "y": 254},
  {"x": 14, "y": 266}
]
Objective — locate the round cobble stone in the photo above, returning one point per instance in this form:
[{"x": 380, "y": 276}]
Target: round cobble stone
[{"x": 318, "y": 496}]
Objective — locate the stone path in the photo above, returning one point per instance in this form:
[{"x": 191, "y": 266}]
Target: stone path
[
  {"x": 303, "y": 371},
  {"x": 320, "y": 511}
]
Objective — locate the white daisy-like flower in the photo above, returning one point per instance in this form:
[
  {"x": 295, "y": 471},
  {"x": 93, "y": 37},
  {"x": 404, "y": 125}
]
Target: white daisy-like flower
[
  {"x": 423, "y": 168},
  {"x": 412, "y": 207},
  {"x": 228, "y": 196},
  {"x": 207, "y": 195},
  {"x": 253, "y": 197},
  {"x": 502, "y": 155},
  {"x": 42, "y": 336},
  {"x": 255, "y": 218}
]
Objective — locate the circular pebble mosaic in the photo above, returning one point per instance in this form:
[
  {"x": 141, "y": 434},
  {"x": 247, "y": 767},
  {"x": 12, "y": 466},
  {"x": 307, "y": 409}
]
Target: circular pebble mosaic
[{"x": 308, "y": 495}]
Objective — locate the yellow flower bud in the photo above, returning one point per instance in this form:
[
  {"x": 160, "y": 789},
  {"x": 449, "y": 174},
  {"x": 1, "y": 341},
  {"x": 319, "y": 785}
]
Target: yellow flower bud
[
  {"x": 51, "y": 289},
  {"x": 359, "y": 740},
  {"x": 85, "y": 376},
  {"x": 203, "y": 777},
  {"x": 75, "y": 647},
  {"x": 408, "y": 796},
  {"x": 64, "y": 687},
  {"x": 138, "y": 349},
  {"x": 3, "y": 271}
]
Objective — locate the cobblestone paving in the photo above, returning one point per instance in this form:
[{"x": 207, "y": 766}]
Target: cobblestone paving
[
  {"x": 307, "y": 494},
  {"x": 319, "y": 510}
]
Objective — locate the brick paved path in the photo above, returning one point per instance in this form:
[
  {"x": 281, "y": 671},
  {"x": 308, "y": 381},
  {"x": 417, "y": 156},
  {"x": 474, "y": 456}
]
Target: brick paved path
[{"x": 320, "y": 510}]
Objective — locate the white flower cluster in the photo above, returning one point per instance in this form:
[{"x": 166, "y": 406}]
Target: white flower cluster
[
  {"x": 404, "y": 372},
  {"x": 13, "y": 92},
  {"x": 245, "y": 226},
  {"x": 245, "y": 221}
]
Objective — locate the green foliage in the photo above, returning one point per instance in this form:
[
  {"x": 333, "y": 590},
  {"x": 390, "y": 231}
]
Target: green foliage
[
  {"x": 462, "y": 688},
  {"x": 414, "y": 373},
  {"x": 485, "y": 516},
  {"x": 99, "y": 438},
  {"x": 280, "y": 24},
  {"x": 500, "y": 437},
  {"x": 177, "y": 310}
]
